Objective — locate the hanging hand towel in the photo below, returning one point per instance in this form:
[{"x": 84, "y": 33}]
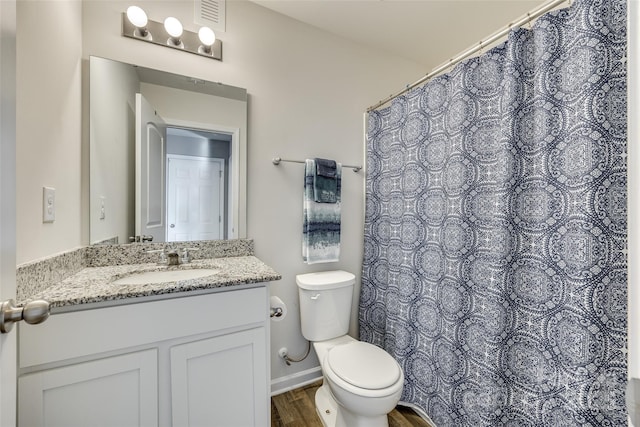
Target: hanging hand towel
[
  {"x": 325, "y": 181},
  {"x": 321, "y": 221}
]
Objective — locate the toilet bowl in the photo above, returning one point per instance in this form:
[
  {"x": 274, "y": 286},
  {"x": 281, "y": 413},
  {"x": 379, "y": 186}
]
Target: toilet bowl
[
  {"x": 365, "y": 382},
  {"x": 362, "y": 383}
]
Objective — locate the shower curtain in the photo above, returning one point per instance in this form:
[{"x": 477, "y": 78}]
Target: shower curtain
[{"x": 495, "y": 232}]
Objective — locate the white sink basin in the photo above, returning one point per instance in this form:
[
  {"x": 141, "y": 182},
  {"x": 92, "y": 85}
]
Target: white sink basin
[{"x": 164, "y": 276}]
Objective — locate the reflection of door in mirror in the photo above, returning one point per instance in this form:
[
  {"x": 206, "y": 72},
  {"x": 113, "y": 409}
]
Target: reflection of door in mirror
[
  {"x": 195, "y": 198},
  {"x": 198, "y": 165},
  {"x": 151, "y": 146}
]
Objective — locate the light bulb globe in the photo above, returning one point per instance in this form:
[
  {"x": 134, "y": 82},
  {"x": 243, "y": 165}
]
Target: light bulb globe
[
  {"x": 173, "y": 27},
  {"x": 137, "y": 16},
  {"x": 207, "y": 36}
]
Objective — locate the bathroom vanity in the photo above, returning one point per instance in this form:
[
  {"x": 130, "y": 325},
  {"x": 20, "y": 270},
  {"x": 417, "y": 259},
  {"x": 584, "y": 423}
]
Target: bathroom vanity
[{"x": 190, "y": 352}]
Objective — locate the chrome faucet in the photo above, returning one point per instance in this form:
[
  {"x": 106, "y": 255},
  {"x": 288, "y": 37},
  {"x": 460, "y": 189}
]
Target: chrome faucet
[{"x": 171, "y": 257}]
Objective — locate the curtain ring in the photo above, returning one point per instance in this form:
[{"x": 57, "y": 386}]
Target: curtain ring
[{"x": 529, "y": 20}]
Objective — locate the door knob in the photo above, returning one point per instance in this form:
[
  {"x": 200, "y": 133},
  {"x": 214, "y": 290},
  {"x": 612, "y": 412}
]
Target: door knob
[
  {"x": 172, "y": 225},
  {"x": 33, "y": 312}
]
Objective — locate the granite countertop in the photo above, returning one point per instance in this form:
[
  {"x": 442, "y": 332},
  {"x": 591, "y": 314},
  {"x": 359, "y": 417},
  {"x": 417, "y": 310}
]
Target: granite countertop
[{"x": 94, "y": 284}]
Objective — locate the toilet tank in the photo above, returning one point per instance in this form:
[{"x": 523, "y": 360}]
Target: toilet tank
[{"x": 325, "y": 303}]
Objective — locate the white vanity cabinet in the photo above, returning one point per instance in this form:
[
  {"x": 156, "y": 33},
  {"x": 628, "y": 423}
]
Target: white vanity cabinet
[
  {"x": 190, "y": 361},
  {"x": 117, "y": 390}
]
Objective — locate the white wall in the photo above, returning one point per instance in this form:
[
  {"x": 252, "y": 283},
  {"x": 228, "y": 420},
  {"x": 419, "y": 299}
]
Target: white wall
[
  {"x": 307, "y": 93},
  {"x": 48, "y": 126},
  {"x": 112, "y": 150}
]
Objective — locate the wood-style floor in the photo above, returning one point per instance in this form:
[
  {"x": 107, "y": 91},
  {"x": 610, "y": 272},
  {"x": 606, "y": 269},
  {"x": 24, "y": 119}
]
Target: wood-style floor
[{"x": 296, "y": 408}]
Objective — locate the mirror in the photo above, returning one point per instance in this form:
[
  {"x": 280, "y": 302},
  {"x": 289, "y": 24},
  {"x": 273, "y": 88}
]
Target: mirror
[{"x": 167, "y": 156}]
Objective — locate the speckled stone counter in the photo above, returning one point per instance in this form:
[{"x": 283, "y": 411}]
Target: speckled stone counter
[
  {"x": 137, "y": 253},
  {"x": 85, "y": 276},
  {"x": 94, "y": 284}
]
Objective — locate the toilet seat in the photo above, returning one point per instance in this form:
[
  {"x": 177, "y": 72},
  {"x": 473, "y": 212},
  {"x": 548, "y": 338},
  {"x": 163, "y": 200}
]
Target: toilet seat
[{"x": 362, "y": 366}]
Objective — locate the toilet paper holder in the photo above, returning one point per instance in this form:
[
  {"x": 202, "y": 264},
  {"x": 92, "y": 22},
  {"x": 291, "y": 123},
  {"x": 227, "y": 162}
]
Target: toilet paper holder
[{"x": 278, "y": 309}]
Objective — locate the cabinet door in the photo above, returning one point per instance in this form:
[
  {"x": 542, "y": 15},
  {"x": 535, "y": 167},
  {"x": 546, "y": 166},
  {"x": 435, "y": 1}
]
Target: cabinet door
[
  {"x": 221, "y": 381},
  {"x": 115, "y": 391}
]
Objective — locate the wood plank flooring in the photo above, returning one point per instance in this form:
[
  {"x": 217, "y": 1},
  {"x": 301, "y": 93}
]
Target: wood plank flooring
[{"x": 296, "y": 408}]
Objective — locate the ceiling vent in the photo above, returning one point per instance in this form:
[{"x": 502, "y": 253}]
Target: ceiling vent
[{"x": 211, "y": 13}]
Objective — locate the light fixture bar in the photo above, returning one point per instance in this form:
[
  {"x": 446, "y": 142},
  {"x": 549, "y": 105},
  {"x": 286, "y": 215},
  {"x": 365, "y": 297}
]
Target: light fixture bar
[{"x": 190, "y": 40}]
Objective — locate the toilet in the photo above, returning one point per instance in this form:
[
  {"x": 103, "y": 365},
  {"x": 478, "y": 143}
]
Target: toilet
[{"x": 362, "y": 383}]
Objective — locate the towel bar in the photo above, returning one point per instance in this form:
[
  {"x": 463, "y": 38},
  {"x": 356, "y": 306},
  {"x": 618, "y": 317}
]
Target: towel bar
[{"x": 276, "y": 161}]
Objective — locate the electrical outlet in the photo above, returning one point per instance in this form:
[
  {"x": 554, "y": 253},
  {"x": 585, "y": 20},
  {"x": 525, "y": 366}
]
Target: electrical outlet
[{"x": 48, "y": 204}]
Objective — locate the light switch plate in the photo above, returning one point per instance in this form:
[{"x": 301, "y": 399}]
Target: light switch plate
[{"x": 48, "y": 204}]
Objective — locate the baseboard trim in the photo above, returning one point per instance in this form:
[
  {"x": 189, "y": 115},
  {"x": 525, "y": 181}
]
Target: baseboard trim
[{"x": 293, "y": 381}]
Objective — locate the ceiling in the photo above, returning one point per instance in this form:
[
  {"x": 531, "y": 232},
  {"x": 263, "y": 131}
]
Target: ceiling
[{"x": 428, "y": 32}]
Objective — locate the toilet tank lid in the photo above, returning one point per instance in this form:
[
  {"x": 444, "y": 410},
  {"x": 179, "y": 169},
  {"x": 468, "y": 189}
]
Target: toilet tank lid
[{"x": 325, "y": 280}]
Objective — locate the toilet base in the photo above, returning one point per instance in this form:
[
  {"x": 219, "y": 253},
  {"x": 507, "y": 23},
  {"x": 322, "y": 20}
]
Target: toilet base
[
  {"x": 331, "y": 416},
  {"x": 326, "y": 406}
]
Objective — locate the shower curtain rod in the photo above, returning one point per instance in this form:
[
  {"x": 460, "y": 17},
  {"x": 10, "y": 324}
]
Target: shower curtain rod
[
  {"x": 536, "y": 13},
  {"x": 276, "y": 161}
]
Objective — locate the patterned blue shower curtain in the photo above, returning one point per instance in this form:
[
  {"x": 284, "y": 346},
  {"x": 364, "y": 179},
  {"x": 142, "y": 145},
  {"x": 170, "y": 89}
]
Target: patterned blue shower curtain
[{"x": 495, "y": 231}]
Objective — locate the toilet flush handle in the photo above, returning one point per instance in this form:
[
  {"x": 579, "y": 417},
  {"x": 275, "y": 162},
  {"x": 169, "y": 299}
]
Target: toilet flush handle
[{"x": 315, "y": 297}]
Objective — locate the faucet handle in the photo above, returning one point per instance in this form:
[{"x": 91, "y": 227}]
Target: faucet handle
[
  {"x": 163, "y": 255},
  {"x": 186, "y": 257}
]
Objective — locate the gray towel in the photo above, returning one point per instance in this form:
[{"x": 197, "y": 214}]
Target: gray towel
[
  {"x": 326, "y": 167},
  {"x": 325, "y": 182}
]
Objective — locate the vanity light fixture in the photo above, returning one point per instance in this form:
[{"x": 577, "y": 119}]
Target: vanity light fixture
[
  {"x": 173, "y": 27},
  {"x": 136, "y": 25},
  {"x": 138, "y": 19},
  {"x": 207, "y": 38}
]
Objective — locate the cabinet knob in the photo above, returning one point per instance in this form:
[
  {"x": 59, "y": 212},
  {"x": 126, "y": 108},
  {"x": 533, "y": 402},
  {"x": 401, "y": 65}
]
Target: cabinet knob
[{"x": 33, "y": 312}]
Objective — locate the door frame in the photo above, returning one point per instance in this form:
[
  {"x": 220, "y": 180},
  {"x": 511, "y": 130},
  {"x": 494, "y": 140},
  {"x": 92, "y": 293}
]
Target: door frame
[{"x": 8, "y": 342}]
